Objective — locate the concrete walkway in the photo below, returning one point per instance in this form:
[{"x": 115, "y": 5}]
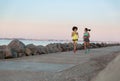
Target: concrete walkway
[
  {"x": 48, "y": 67},
  {"x": 111, "y": 72}
]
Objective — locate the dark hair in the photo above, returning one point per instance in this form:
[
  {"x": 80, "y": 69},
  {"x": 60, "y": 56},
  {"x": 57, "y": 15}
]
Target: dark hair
[
  {"x": 86, "y": 29},
  {"x": 74, "y": 27}
]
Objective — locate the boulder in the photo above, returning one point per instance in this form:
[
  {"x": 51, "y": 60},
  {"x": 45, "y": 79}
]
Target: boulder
[
  {"x": 80, "y": 46},
  {"x": 5, "y": 52},
  {"x": 93, "y": 45},
  {"x": 69, "y": 46},
  {"x": 64, "y": 47},
  {"x": 50, "y": 48},
  {"x": 17, "y": 47},
  {"x": 98, "y": 45},
  {"x": 28, "y": 52},
  {"x": 41, "y": 49},
  {"x": 32, "y": 49},
  {"x": 58, "y": 45},
  {"x": 103, "y": 45},
  {"x": 53, "y": 48}
]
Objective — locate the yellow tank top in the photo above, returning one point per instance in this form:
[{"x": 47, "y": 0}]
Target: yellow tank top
[{"x": 75, "y": 36}]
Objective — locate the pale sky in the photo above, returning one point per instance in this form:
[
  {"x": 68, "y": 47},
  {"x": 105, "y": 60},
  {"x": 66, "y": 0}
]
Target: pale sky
[{"x": 54, "y": 19}]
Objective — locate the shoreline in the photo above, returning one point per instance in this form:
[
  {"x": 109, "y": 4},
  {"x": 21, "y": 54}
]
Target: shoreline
[
  {"x": 16, "y": 48},
  {"x": 45, "y": 42}
]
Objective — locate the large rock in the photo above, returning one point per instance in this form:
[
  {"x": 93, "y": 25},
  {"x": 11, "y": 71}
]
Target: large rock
[
  {"x": 5, "y": 52},
  {"x": 35, "y": 50},
  {"x": 80, "y": 46},
  {"x": 104, "y": 44},
  {"x": 41, "y": 50},
  {"x": 17, "y": 47},
  {"x": 28, "y": 52},
  {"x": 93, "y": 45},
  {"x": 32, "y": 49},
  {"x": 99, "y": 45},
  {"x": 69, "y": 46},
  {"x": 53, "y": 48},
  {"x": 64, "y": 47},
  {"x": 2, "y": 56},
  {"x": 58, "y": 45}
]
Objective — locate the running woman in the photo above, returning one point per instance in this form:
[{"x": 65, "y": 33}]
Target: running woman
[
  {"x": 75, "y": 37},
  {"x": 86, "y": 37}
]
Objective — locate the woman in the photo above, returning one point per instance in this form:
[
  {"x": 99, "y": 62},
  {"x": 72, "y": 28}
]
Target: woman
[
  {"x": 75, "y": 37},
  {"x": 86, "y": 37}
]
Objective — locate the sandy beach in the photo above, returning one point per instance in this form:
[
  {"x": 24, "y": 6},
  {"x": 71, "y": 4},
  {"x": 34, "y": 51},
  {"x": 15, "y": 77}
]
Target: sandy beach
[{"x": 61, "y": 66}]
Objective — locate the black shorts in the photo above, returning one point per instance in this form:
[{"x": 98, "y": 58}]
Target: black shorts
[
  {"x": 75, "y": 39},
  {"x": 86, "y": 40}
]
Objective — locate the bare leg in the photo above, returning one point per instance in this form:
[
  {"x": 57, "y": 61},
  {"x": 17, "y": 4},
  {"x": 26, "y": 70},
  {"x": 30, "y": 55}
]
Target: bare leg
[
  {"x": 85, "y": 45},
  {"x": 75, "y": 44},
  {"x": 88, "y": 46}
]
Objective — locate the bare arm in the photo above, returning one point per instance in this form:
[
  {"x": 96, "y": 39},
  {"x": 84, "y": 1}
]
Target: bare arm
[
  {"x": 78, "y": 34},
  {"x": 83, "y": 36},
  {"x": 71, "y": 34},
  {"x": 89, "y": 35}
]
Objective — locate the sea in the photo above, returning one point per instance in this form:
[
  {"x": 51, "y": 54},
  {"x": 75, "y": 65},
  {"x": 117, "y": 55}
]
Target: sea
[
  {"x": 43, "y": 42},
  {"x": 35, "y": 42}
]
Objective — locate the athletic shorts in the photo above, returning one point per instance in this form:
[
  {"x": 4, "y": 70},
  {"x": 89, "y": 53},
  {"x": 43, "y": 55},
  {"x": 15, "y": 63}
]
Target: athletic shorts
[
  {"x": 86, "y": 40},
  {"x": 75, "y": 39}
]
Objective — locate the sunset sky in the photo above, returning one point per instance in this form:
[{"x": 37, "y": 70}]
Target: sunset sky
[{"x": 54, "y": 19}]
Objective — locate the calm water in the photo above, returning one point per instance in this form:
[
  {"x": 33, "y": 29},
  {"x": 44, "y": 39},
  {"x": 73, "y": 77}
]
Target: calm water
[{"x": 35, "y": 42}]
